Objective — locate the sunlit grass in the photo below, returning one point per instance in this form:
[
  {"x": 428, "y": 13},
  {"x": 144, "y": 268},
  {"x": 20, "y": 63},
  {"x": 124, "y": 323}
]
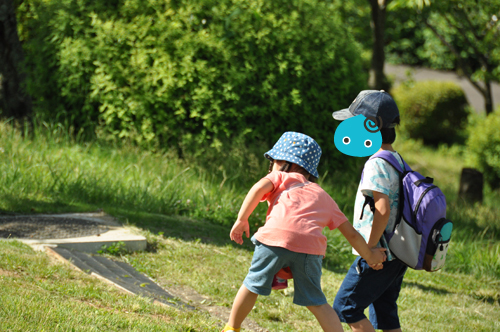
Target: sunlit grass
[
  {"x": 40, "y": 295},
  {"x": 185, "y": 208}
]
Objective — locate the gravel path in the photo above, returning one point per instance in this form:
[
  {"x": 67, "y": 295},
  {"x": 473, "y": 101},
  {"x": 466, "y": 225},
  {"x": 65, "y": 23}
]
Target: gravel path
[{"x": 48, "y": 227}]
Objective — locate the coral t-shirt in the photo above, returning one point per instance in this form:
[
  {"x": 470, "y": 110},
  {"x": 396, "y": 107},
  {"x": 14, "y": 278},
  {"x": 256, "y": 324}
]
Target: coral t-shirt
[{"x": 298, "y": 211}]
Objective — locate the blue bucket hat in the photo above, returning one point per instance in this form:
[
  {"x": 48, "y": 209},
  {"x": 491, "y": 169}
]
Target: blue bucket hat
[{"x": 297, "y": 148}]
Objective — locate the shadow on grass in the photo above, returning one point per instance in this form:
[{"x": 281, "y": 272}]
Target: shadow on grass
[
  {"x": 487, "y": 298},
  {"x": 180, "y": 227},
  {"x": 430, "y": 289},
  {"x": 491, "y": 299},
  {"x": 173, "y": 226},
  {"x": 185, "y": 228},
  {"x": 29, "y": 206},
  {"x": 188, "y": 229}
]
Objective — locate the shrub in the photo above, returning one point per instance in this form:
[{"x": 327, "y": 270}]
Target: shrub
[
  {"x": 484, "y": 146},
  {"x": 187, "y": 73},
  {"x": 433, "y": 111}
]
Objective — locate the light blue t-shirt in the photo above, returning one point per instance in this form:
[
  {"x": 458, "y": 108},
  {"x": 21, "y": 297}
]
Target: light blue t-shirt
[{"x": 380, "y": 176}]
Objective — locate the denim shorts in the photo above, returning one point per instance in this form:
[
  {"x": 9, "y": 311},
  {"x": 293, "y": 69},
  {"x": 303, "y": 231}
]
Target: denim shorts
[
  {"x": 306, "y": 270},
  {"x": 378, "y": 289}
]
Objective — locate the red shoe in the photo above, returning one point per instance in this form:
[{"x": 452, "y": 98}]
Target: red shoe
[{"x": 279, "y": 283}]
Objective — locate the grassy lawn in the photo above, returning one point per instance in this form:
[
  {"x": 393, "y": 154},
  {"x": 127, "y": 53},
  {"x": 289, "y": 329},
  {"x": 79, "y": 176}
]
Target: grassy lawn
[
  {"x": 40, "y": 295},
  {"x": 186, "y": 211}
]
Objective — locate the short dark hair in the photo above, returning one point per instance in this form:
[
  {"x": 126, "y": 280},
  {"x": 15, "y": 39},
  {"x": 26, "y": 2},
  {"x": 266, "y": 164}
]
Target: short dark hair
[
  {"x": 292, "y": 167},
  {"x": 389, "y": 134}
]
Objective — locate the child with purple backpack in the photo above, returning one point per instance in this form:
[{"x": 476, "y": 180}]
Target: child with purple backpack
[
  {"x": 377, "y": 288},
  {"x": 395, "y": 208}
]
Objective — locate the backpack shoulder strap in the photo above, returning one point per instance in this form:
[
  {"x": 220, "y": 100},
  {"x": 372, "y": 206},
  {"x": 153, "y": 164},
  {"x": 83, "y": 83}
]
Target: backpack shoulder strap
[{"x": 389, "y": 157}]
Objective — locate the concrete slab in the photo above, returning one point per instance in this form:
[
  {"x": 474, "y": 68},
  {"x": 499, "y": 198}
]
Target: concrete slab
[{"x": 91, "y": 244}]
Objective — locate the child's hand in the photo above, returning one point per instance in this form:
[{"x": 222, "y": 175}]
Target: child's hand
[
  {"x": 376, "y": 258},
  {"x": 240, "y": 227}
]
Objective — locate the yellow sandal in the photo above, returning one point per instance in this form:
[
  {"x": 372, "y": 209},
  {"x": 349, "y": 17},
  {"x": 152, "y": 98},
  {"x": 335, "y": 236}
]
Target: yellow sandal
[{"x": 229, "y": 328}]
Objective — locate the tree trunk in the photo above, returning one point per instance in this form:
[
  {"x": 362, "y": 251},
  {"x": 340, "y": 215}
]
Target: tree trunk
[
  {"x": 488, "y": 99},
  {"x": 14, "y": 101},
  {"x": 378, "y": 81},
  {"x": 471, "y": 185}
]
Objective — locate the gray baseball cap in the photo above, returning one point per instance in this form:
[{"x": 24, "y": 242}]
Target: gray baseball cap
[{"x": 371, "y": 103}]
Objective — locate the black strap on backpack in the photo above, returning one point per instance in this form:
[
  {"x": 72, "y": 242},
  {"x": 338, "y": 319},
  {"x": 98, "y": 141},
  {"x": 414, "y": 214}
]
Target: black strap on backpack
[
  {"x": 369, "y": 200},
  {"x": 426, "y": 180}
]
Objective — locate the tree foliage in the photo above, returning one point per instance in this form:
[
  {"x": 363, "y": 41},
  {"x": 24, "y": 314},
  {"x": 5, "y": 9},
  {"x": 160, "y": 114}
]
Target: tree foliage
[
  {"x": 466, "y": 33},
  {"x": 483, "y": 146},
  {"x": 185, "y": 72},
  {"x": 432, "y": 111}
]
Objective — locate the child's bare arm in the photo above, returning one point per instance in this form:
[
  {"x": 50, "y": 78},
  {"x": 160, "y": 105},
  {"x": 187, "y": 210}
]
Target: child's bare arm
[
  {"x": 251, "y": 201},
  {"x": 380, "y": 217},
  {"x": 372, "y": 256}
]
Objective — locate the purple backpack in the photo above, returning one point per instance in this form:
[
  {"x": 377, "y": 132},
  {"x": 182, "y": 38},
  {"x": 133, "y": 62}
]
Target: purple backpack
[{"x": 422, "y": 233}]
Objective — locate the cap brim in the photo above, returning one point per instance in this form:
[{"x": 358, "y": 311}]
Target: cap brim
[{"x": 342, "y": 114}]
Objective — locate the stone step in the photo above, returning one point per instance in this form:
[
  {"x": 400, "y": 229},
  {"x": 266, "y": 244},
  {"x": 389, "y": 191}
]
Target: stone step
[
  {"x": 127, "y": 272},
  {"x": 121, "y": 275},
  {"x": 66, "y": 254}
]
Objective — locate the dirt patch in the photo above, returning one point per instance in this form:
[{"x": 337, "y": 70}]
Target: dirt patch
[
  {"x": 5, "y": 273},
  {"x": 189, "y": 295}
]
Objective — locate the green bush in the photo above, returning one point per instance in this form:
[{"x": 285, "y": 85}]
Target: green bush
[
  {"x": 483, "y": 146},
  {"x": 433, "y": 111},
  {"x": 190, "y": 73}
]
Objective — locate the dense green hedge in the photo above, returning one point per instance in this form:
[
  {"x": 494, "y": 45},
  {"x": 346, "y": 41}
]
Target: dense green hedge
[
  {"x": 483, "y": 146},
  {"x": 433, "y": 111},
  {"x": 179, "y": 73}
]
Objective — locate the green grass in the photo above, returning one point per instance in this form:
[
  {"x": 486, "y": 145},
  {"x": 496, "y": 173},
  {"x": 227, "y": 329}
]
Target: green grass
[
  {"x": 39, "y": 295},
  {"x": 185, "y": 209},
  {"x": 51, "y": 172},
  {"x": 429, "y": 302}
]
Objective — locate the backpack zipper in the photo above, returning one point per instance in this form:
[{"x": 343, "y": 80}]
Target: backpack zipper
[{"x": 420, "y": 199}]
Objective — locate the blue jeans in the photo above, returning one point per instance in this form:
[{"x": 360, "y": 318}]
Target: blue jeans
[{"x": 378, "y": 289}]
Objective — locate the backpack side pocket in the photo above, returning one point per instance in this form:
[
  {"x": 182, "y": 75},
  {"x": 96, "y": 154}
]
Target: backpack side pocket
[
  {"x": 437, "y": 245},
  {"x": 405, "y": 243}
]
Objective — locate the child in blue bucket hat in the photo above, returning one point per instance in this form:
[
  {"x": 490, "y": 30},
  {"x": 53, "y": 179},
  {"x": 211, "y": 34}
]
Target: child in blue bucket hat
[{"x": 299, "y": 210}]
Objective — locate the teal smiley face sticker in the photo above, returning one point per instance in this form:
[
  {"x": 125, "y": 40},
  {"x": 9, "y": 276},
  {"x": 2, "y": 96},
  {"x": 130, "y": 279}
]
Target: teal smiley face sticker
[{"x": 359, "y": 136}]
